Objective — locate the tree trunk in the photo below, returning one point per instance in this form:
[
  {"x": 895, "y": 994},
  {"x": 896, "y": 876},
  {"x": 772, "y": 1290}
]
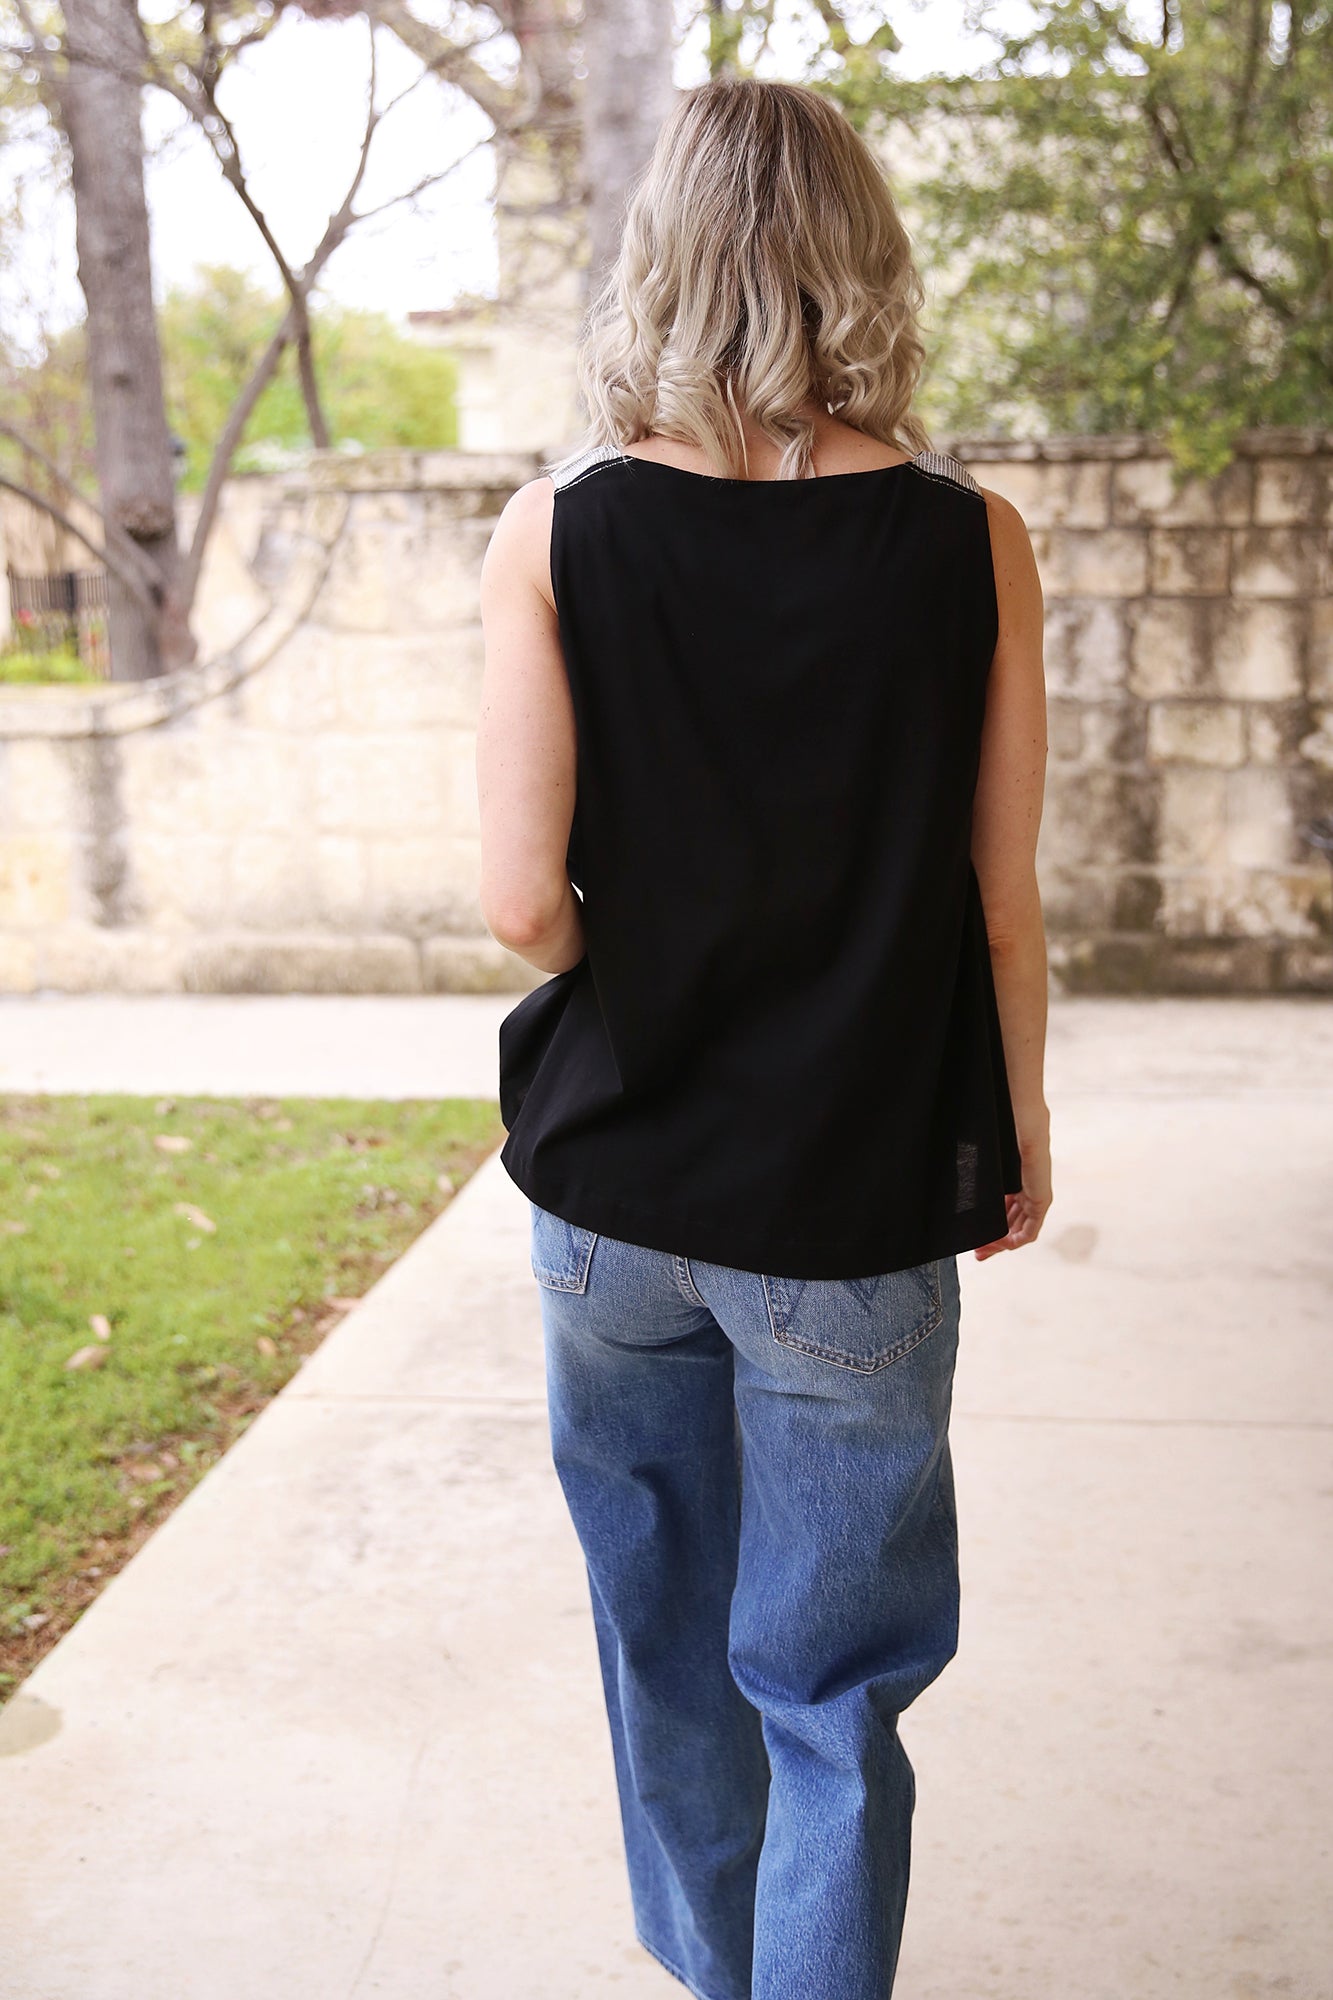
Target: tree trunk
[
  {"x": 100, "y": 93},
  {"x": 627, "y": 49}
]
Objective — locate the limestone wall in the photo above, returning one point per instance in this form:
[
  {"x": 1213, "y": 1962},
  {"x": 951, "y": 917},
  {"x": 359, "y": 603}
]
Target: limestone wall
[
  {"x": 299, "y": 812},
  {"x": 1189, "y": 668}
]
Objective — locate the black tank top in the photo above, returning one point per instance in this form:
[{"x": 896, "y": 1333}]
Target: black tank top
[{"x": 781, "y": 1049}]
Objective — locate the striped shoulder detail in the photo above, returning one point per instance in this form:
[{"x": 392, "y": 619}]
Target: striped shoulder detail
[
  {"x": 586, "y": 463},
  {"x": 939, "y": 465}
]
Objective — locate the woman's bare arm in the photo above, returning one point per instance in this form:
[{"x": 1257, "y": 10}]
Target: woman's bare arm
[
  {"x": 526, "y": 743},
  {"x": 1005, "y": 820}
]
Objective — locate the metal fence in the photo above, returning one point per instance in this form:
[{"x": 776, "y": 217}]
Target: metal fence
[{"x": 62, "y": 608}]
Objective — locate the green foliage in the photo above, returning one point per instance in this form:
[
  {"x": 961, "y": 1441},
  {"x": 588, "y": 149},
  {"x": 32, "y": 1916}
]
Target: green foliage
[
  {"x": 22, "y": 669},
  {"x": 1122, "y": 232},
  {"x": 212, "y": 1265},
  {"x": 47, "y": 401},
  {"x": 740, "y": 40},
  {"x": 379, "y": 387}
]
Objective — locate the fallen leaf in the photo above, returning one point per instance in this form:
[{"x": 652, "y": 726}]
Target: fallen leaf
[
  {"x": 172, "y": 1142},
  {"x": 14, "y": 1228},
  {"x": 36, "y": 1619},
  {"x": 445, "y": 1183},
  {"x": 265, "y": 1345},
  {"x": 100, "y": 1325},
  {"x": 196, "y": 1216},
  {"x": 87, "y": 1357}
]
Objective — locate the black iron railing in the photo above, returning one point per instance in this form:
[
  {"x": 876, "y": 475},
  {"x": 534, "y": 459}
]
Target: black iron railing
[{"x": 65, "y": 608}]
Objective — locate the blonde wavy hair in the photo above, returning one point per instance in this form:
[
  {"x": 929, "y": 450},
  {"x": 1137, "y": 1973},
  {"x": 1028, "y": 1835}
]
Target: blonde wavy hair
[{"x": 763, "y": 263}]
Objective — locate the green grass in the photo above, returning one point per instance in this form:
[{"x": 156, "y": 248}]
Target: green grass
[
  {"x": 21, "y": 669},
  {"x": 309, "y": 1200}
]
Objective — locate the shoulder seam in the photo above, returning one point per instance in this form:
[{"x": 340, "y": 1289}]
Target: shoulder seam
[
  {"x": 584, "y": 465},
  {"x": 950, "y": 471}
]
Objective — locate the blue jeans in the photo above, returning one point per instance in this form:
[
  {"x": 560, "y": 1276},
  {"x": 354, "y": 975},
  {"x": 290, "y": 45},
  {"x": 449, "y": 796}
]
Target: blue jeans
[{"x": 758, "y": 1472}]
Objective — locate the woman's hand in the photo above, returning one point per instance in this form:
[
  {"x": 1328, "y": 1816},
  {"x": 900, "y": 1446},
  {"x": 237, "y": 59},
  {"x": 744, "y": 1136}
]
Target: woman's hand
[{"x": 1026, "y": 1209}]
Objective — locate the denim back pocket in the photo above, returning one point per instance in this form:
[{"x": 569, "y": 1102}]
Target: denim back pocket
[
  {"x": 862, "y": 1323},
  {"x": 561, "y": 1251}
]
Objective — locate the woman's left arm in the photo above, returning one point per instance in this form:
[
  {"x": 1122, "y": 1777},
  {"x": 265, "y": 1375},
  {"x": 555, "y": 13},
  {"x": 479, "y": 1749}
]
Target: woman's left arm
[{"x": 526, "y": 743}]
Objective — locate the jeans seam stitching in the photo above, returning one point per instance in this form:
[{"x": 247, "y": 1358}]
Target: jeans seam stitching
[
  {"x": 871, "y": 1364},
  {"x": 685, "y": 1281},
  {"x": 574, "y": 1276}
]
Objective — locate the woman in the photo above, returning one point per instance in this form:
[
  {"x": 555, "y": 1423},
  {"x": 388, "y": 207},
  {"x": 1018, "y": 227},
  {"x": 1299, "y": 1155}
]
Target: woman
[{"x": 764, "y": 684}]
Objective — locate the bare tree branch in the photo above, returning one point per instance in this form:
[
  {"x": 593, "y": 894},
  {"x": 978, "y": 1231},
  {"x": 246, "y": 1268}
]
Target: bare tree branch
[
  {"x": 420, "y": 187},
  {"x": 189, "y": 67},
  {"x": 335, "y": 230},
  {"x": 129, "y": 575},
  {"x": 1277, "y": 304},
  {"x": 1254, "y": 44},
  {"x": 128, "y": 549},
  {"x": 199, "y": 87},
  {"x": 504, "y": 104},
  {"x": 1213, "y": 233},
  {"x": 224, "y": 451}
]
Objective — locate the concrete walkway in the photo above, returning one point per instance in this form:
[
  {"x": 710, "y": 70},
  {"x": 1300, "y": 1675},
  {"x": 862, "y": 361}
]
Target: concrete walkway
[
  {"x": 336, "y": 1730},
  {"x": 276, "y": 1045}
]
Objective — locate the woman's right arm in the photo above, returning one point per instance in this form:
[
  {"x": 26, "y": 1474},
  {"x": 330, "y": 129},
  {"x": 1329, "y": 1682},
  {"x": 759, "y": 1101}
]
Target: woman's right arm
[{"x": 1005, "y": 819}]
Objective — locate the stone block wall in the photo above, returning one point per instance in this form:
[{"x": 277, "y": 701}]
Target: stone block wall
[
  {"x": 298, "y": 812},
  {"x": 1189, "y": 670}
]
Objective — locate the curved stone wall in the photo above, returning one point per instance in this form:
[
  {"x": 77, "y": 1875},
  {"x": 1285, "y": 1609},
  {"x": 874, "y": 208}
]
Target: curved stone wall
[{"x": 299, "y": 812}]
